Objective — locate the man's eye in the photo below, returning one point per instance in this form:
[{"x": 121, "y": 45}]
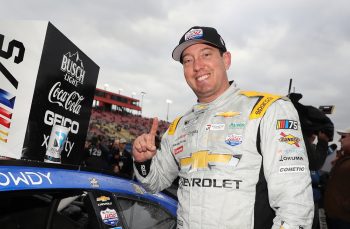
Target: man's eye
[
  {"x": 186, "y": 61},
  {"x": 206, "y": 54}
]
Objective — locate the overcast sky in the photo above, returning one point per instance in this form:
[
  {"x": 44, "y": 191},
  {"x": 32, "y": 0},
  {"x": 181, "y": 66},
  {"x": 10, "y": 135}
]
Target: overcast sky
[{"x": 271, "y": 41}]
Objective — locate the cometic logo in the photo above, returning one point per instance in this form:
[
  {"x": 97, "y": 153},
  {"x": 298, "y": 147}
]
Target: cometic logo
[{"x": 73, "y": 66}]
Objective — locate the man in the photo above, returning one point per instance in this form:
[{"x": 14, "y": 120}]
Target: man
[
  {"x": 337, "y": 197},
  {"x": 125, "y": 161},
  {"x": 95, "y": 154},
  {"x": 225, "y": 147}
]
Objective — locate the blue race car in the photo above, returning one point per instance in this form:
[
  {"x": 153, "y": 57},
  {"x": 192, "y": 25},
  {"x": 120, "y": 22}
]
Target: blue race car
[{"x": 37, "y": 195}]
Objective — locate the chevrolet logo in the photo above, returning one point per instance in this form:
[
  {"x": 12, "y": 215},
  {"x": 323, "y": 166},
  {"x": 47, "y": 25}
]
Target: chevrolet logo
[
  {"x": 103, "y": 198},
  {"x": 202, "y": 159},
  {"x": 228, "y": 114}
]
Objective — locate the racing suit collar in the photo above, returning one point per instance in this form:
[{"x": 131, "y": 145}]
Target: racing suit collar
[{"x": 233, "y": 89}]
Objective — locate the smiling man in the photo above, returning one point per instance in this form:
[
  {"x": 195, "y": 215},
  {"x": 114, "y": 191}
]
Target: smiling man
[{"x": 227, "y": 149}]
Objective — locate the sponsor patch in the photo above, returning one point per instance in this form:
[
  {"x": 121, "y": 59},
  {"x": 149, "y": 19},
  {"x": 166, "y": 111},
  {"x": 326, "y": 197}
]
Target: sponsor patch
[
  {"x": 292, "y": 169},
  {"x": 227, "y": 114},
  {"x": 179, "y": 149},
  {"x": 194, "y": 34},
  {"x": 263, "y": 103},
  {"x": 190, "y": 122},
  {"x": 289, "y": 139},
  {"x": 109, "y": 217},
  {"x": 291, "y": 158},
  {"x": 290, "y": 151},
  {"x": 287, "y": 124},
  {"x": 233, "y": 139},
  {"x": 236, "y": 125},
  {"x": 214, "y": 127},
  {"x": 204, "y": 160}
]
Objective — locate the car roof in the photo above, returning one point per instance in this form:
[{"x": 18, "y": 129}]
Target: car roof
[{"x": 18, "y": 175}]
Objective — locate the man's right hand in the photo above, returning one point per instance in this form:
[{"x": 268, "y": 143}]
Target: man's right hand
[{"x": 144, "y": 147}]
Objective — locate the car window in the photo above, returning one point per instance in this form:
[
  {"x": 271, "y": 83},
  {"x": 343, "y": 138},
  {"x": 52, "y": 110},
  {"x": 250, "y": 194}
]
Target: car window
[
  {"x": 144, "y": 215},
  {"x": 31, "y": 209}
]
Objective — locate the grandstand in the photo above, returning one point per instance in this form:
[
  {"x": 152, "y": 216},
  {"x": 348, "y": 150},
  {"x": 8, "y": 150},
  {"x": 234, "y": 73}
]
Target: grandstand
[{"x": 112, "y": 116}]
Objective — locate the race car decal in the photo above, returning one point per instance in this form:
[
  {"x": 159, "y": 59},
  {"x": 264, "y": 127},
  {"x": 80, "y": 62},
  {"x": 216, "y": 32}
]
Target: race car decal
[
  {"x": 109, "y": 217},
  {"x": 24, "y": 178},
  {"x": 94, "y": 183}
]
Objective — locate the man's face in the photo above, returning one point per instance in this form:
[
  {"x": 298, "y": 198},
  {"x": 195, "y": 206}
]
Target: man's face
[
  {"x": 205, "y": 71},
  {"x": 345, "y": 143}
]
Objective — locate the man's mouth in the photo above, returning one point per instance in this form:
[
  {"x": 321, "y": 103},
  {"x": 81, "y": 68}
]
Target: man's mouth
[{"x": 203, "y": 77}]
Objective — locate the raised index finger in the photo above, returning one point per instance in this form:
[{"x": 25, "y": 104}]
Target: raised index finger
[{"x": 154, "y": 127}]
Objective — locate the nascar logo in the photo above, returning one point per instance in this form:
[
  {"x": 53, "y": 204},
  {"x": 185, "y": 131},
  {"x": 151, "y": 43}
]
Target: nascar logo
[{"x": 287, "y": 124}]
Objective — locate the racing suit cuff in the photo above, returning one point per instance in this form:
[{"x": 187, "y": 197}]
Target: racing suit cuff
[{"x": 143, "y": 167}]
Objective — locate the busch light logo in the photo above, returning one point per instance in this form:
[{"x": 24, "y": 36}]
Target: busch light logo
[
  {"x": 109, "y": 217},
  {"x": 233, "y": 139},
  {"x": 74, "y": 69}
]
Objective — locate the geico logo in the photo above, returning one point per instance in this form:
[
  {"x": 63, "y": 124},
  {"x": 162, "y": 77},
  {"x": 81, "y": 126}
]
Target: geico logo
[
  {"x": 51, "y": 119},
  {"x": 209, "y": 183}
]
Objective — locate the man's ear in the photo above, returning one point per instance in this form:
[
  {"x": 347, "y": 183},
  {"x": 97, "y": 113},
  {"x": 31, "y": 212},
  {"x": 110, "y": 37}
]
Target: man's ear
[{"x": 227, "y": 59}]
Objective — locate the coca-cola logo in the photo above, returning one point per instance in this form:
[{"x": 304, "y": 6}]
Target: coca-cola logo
[{"x": 70, "y": 101}]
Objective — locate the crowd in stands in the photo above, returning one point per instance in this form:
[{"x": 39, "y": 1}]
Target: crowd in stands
[
  {"x": 109, "y": 141},
  {"x": 114, "y": 124}
]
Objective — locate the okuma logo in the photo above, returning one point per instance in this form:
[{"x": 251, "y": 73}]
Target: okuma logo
[{"x": 73, "y": 66}]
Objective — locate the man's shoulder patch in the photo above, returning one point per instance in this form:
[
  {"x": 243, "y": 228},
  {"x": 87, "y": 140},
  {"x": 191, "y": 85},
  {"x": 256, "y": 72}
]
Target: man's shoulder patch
[
  {"x": 173, "y": 125},
  {"x": 264, "y": 101}
]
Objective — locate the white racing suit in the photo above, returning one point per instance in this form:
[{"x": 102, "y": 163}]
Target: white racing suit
[{"x": 214, "y": 149}]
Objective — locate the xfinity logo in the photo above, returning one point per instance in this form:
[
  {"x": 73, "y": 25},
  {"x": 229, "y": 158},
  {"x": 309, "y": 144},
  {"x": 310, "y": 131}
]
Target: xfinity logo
[{"x": 73, "y": 66}]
